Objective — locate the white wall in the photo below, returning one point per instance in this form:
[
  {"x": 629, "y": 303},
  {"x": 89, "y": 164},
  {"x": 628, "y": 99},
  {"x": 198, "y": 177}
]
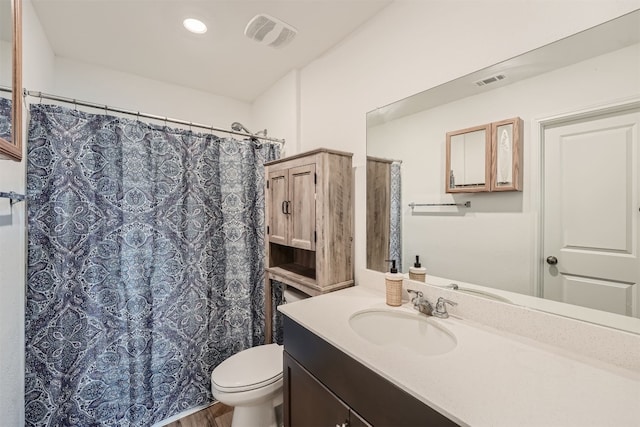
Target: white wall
[
  {"x": 100, "y": 85},
  {"x": 5, "y": 63},
  {"x": 38, "y": 68},
  {"x": 494, "y": 243},
  {"x": 278, "y": 110},
  {"x": 414, "y": 45}
]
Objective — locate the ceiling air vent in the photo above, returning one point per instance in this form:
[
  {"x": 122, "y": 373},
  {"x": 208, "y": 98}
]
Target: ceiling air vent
[
  {"x": 491, "y": 79},
  {"x": 271, "y": 31}
]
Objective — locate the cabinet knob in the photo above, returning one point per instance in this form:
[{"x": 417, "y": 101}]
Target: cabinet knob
[{"x": 551, "y": 260}]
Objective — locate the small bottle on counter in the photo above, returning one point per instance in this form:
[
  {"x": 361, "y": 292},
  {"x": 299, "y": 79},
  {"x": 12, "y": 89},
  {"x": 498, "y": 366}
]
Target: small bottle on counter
[
  {"x": 393, "y": 281},
  {"x": 418, "y": 272}
]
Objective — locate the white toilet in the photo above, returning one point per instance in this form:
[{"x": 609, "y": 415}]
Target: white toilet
[{"x": 251, "y": 382}]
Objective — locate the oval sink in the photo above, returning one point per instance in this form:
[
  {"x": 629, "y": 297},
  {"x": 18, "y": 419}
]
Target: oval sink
[{"x": 402, "y": 330}]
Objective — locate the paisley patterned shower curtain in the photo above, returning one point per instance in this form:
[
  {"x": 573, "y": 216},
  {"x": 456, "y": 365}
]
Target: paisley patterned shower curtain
[
  {"x": 5, "y": 118},
  {"x": 145, "y": 266},
  {"x": 395, "y": 215}
]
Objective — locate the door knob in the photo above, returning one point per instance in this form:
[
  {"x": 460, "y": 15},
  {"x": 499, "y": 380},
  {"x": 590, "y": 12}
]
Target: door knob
[{"x": 551, "y": 260}]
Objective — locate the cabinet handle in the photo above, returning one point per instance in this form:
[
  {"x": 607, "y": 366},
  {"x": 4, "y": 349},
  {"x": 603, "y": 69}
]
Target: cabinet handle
[
  {"x": 284, "y": 204},
  {"x": 288, "y": 207}
]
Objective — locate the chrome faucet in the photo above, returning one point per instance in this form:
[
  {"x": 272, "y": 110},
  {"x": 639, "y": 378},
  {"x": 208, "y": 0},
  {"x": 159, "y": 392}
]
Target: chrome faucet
[
  {"x": 441, "y": 307},
  {"x": 420, "y": 303}
]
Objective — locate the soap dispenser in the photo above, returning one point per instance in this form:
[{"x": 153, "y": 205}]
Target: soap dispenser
[
  {"x": 393, "y": 281},
  {"x": 417, "y": 272}
]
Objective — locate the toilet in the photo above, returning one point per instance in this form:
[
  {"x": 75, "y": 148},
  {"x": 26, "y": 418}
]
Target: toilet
[{"x": 251, "y": 382}]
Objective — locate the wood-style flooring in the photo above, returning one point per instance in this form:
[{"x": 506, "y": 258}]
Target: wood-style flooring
[{"x": 216, "y": 415}]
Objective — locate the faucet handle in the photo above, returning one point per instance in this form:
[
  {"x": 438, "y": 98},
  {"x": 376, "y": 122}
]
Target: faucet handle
[
  {"x": 418, "y": 294},
  {"x": 441, "y": 307}
]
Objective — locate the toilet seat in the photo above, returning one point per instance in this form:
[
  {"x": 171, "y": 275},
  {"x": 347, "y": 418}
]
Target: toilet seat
[{"x": 249, "y": 369}]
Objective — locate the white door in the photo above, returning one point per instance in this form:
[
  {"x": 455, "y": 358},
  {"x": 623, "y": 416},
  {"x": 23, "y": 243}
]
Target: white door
[{"x": 591, "y": 212}]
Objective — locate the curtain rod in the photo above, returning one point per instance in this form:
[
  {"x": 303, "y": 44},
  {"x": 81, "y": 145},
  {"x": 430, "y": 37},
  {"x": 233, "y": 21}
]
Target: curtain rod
[{"x": 41, "y": 95}]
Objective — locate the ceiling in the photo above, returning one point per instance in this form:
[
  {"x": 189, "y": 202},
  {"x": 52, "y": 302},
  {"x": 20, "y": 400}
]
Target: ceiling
[{"x": 146, "y": 38}]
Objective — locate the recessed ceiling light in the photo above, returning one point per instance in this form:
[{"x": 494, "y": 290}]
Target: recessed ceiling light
[{"x": 195, "y": 25}]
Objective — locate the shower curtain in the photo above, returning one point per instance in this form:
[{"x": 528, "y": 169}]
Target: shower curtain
[
  {"x": 5, "y": 118},
  {"x": 145, "y": 266},
  {"x": 395, "y": 215}
]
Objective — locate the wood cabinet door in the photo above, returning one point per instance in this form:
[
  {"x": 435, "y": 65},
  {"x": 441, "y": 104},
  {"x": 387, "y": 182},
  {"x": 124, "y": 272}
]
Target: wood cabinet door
[
  {"x": 302, "y": 207},
  {"x": 277, "y": 218},
  {"x": 356, "y": 420},
  {"x": 308, "y": 403}
]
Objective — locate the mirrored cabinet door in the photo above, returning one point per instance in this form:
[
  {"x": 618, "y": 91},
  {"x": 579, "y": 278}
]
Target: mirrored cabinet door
[
  {"x": 468, "y": 160},
  {"x": 506, "y": 155}
]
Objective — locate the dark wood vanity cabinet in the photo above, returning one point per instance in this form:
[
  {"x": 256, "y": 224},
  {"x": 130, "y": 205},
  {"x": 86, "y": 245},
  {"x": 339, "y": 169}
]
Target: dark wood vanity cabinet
[
  {"x": 325, "y": 387},
  {"x": 309, "y": 403}
]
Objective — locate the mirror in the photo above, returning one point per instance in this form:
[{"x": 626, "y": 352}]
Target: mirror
[
  {"x": 496, "y": 244},
  {"x": 468, "y": 160},
  {"x": 11, "y": 79}
]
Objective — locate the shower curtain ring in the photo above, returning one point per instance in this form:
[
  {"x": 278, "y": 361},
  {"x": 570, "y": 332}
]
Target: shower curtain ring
[
  {"x": 75, "y": 105},
  {"x": 138, "y": 116},
  {"x": 165, "y": 122}
]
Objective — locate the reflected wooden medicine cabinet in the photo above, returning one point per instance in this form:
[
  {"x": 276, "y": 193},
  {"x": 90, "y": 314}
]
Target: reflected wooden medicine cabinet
[{"x": 485, "y": 158}]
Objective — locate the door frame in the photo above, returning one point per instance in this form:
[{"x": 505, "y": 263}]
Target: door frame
[{"x": 539, "y": 126}]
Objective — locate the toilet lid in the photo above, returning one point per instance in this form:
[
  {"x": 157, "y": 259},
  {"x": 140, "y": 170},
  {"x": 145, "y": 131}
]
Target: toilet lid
[{"x": 250, "y": 369}]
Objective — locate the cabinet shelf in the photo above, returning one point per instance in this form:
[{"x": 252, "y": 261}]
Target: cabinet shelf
[
  {"x": 303, "y": 283},
  {"x": 299, "y": 270}
]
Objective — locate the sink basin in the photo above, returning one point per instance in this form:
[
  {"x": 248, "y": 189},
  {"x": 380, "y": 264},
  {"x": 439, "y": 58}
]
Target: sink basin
[{"x": 401, "y": 330}]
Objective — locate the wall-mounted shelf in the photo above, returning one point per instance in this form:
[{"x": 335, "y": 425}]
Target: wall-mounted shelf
[{"x": 12, "y": 196}]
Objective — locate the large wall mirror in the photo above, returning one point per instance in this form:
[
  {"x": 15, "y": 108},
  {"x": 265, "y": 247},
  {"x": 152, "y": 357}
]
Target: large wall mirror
[
  {"x": 567, "y": 242},
  {"x": 11, "y": 79}
]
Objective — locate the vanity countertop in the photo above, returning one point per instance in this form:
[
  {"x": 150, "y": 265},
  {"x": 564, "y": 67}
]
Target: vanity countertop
[{"x": 491, "y": 378}]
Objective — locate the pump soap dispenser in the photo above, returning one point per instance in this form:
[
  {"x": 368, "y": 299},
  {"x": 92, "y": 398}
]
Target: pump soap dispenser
[
  {"x": 393, "y": 280},
  {"x": 418, "y": 272}
]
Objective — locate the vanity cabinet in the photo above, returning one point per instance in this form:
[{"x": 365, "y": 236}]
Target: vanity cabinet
[
  {"x": 310, "y": 403},
  {"x": 309, "y": 224},
  {"x": 325, "y": 387}
]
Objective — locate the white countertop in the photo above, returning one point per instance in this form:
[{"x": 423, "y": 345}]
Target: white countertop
[{"x": 490, "y": 378}]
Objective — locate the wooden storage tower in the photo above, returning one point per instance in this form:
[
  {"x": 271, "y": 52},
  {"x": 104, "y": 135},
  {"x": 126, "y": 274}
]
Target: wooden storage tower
[{"x": 309, "y": 224}]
